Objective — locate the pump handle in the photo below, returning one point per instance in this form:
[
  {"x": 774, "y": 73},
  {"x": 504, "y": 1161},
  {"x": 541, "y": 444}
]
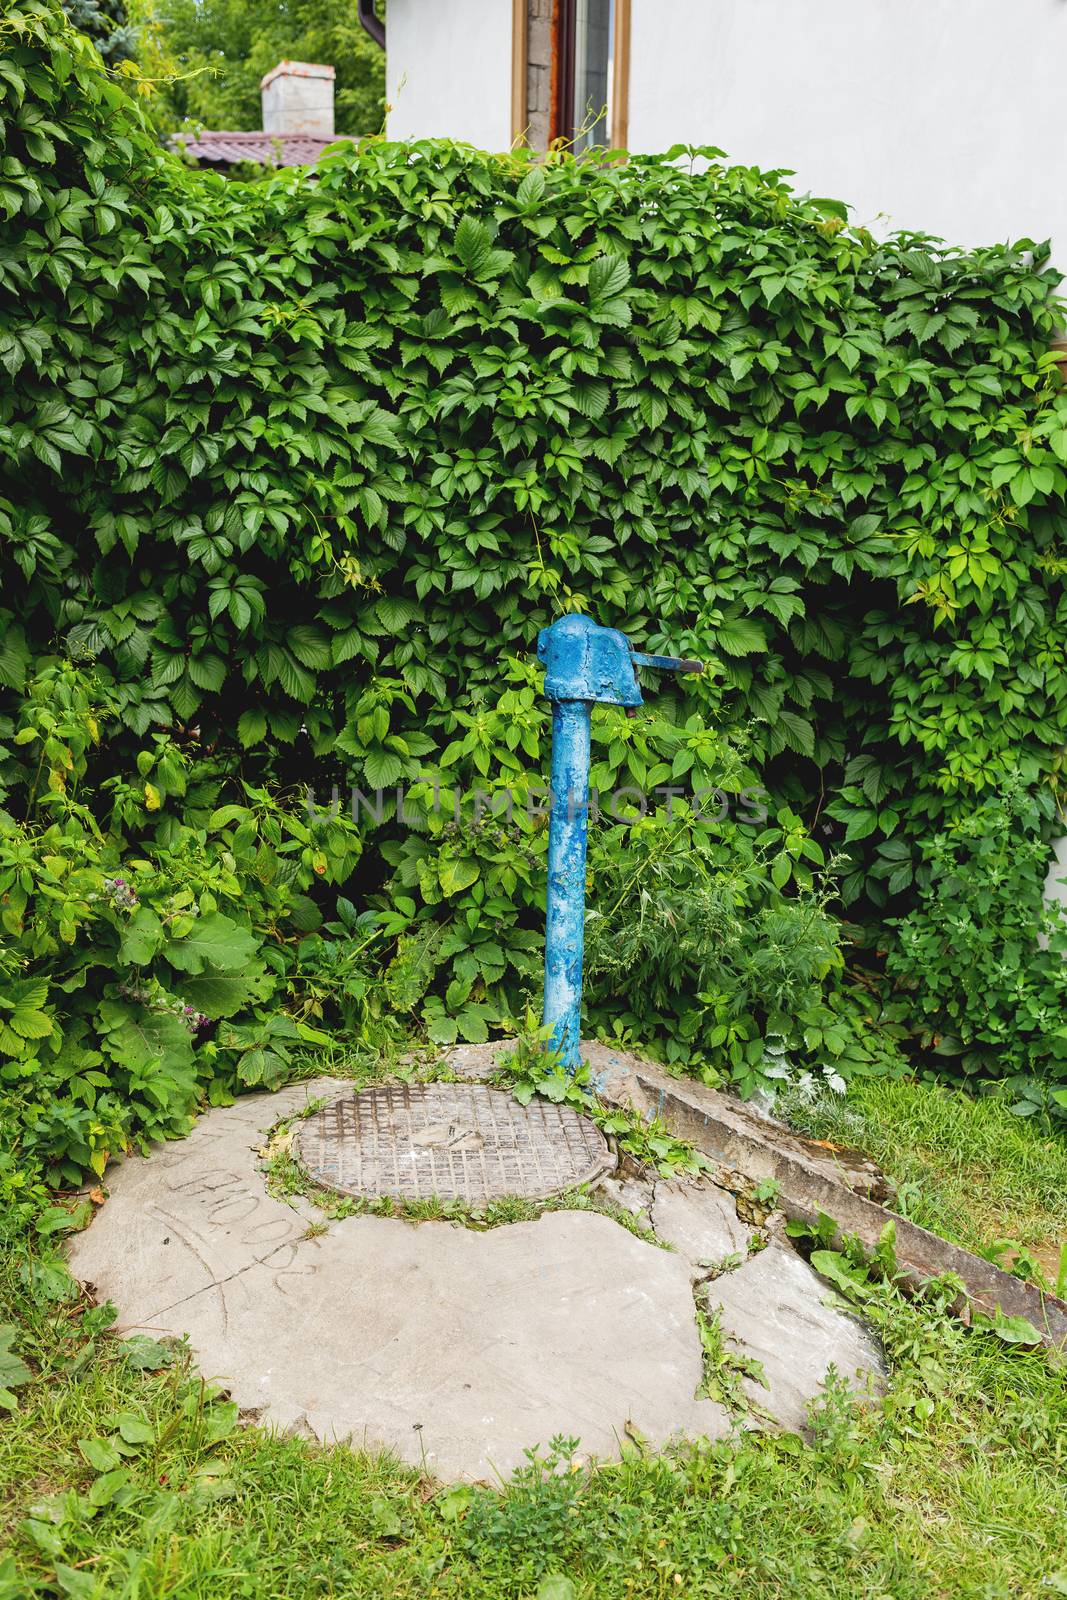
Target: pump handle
[{"x": 667, "y": 663}]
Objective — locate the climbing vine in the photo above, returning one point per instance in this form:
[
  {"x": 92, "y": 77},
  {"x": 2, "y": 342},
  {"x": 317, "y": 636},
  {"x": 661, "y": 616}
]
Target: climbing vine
[{"x": 291, "y": 474}]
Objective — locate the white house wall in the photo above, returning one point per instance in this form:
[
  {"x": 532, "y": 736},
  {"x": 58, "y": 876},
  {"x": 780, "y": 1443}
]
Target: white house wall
[
  {"x": 1056, "y": 883},
  {"x": 448, "y": 71},
  {"x": 940, "y": 115}
]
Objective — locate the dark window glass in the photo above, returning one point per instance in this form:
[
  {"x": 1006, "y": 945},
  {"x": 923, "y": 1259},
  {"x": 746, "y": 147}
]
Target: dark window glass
[
  {"x": 592, "y": 72},
  {"x": 584, "y": 70}
]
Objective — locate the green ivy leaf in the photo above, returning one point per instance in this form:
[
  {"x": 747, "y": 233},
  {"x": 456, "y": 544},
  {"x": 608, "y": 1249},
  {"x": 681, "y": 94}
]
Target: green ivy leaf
[
  {"x": 740, "y": 636},
  {"x": 251, "y": 728},
  {"x": 457, "y": 875},
  {"x": 383, "y": 768}
]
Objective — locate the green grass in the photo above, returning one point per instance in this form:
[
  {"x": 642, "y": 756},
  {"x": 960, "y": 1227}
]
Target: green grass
[
  {"x": 957, "y": 1486},
  {"x": 964, "y": 1167}
]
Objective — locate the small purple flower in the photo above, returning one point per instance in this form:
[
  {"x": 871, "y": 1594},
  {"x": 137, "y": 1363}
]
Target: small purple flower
[{"x": 120, "y": 894}]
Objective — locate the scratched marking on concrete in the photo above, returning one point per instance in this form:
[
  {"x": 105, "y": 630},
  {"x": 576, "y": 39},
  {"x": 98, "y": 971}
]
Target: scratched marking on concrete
[
  {"x": 458, "y": 1349},
  {"x": 196, "y": 1212}
]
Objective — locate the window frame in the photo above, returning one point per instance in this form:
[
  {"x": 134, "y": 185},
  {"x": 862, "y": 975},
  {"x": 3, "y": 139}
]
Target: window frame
[{"x": 561, "y": 120}]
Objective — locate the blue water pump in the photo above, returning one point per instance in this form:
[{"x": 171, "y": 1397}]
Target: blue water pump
[{"x": 585, "y": 665}]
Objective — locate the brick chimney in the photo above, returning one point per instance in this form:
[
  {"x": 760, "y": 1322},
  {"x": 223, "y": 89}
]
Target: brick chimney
[{"x": 298, "y": 98}]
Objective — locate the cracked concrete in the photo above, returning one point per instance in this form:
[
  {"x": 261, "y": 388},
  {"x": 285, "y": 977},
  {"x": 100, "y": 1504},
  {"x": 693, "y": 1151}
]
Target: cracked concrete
[
  {"x": 773, "y": 1310},
  {"x": 457, "y": 1349},
  {"x": 634, "y": 1195},
  {"x": 700, "y": 1220}
]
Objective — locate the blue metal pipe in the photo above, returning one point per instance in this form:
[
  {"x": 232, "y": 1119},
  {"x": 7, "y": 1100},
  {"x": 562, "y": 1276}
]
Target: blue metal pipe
[
  {"x": 568, "y": 836},
  {"x": 585, "y": 665}
]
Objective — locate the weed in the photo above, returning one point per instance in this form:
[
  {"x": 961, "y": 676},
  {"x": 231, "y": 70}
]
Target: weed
[
  {"x": 725, "y": 1368},
  {"x": 767, "y": 1192},
  {"x": 965, "y": 1168},
  {"x": 533, "y": 1068}
]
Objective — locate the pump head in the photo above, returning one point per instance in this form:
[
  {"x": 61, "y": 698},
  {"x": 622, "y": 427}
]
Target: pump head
[{"x": 584, "y": 661}]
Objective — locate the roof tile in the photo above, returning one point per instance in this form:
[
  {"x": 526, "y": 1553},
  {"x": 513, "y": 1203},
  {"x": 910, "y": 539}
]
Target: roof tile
[{"x": 268, "y": 149}]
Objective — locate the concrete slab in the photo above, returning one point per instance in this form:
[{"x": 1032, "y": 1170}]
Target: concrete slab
[
  {"x": 700, "y": 1220},
  {"x": 629, "y": 1194},
  {"x": 196, "y": 1211},
  {"x": 457, "y": 1349},
  {"x": 476, "y": 1062},
  {"x": 772, "y": 1307}
]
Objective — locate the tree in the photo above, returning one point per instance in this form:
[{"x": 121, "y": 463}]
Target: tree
[
  {"x": 220, "y": 49},
  {"x": 107, "y": 24}
]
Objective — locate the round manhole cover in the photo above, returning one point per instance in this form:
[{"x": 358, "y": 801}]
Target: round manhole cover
[{"x": 455, "y": 1141}]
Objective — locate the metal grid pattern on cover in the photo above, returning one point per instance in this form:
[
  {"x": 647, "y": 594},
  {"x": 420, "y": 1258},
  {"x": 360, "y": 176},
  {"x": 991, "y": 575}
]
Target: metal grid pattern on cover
[{"x": 455, "y": 1141}]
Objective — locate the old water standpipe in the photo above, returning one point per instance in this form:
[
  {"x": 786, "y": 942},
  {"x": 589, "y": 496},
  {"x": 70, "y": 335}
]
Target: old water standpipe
[{"x": 585, "y": 665}]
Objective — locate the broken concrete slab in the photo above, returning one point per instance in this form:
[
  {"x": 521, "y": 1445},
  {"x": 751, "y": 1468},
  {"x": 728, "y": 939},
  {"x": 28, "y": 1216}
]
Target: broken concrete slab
[
  {"x": 196, "y": 1211},
  {"x": 629, "y": 1194},
  {"x": 700, "y": 1220},
  {"x": 457, "y": 1349},
  {"x": 811, "y": 1181},
  {"x": 773, "y": 1309}
]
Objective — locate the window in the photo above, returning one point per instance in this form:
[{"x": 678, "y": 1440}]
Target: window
[
  {"x": 587, "y": 72},
  {"x": 570, "y": 67}
]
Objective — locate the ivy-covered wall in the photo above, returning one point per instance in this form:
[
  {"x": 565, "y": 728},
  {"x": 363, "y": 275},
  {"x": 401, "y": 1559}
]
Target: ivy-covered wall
[{"x": 295, "y": 471}]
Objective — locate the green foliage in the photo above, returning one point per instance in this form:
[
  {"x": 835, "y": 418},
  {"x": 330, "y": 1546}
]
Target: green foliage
[
  {"x": 994, "y": 1003},
  {"x": 534, "y": 1068},
  {"x": 107, "y": 25},
  {"x": 219, "y": 50},
  {"x": 291, "y": 475},
  {"x": 13, "y": 1370},
  {"x": 132, "y": 941},
  {"x": 725, "y": 1367},
  {"x": 693, "y": 939},
  {"x": 861, "y": 1277}
]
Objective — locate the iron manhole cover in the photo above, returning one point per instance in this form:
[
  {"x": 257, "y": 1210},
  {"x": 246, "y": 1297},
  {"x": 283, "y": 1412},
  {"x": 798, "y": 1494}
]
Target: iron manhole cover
[{"x": 458, "y": 1141}]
